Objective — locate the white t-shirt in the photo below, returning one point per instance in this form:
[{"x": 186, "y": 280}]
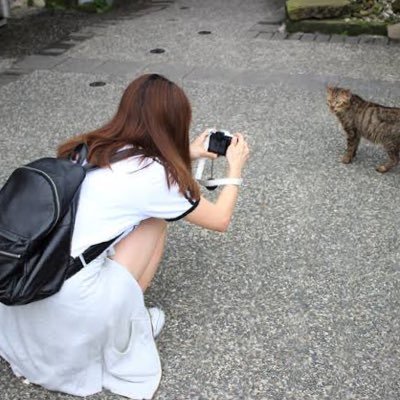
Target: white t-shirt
[{"x": 115, "y": 200}]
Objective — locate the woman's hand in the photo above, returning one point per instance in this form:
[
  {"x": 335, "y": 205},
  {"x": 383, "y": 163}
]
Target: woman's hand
[
  {"x": 197, "y": 149},
  {"x": 237, "y": 155}
]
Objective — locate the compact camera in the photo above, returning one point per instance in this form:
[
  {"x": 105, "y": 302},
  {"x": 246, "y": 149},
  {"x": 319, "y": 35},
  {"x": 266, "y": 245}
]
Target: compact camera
[{"x": 219, "y": 142}]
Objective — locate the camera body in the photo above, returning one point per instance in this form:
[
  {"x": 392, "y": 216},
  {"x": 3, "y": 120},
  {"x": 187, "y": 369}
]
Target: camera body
[{"x": 219, "y": 142}]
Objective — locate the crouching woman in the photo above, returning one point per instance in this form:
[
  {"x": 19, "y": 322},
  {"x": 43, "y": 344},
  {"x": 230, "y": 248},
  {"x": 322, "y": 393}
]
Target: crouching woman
[{"x": 96, "y": 331}]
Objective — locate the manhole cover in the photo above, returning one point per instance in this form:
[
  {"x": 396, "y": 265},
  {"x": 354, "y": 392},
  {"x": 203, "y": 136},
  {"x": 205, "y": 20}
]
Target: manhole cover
[
  {"x": 97, "y": 84},
  {"x": 184, "y": 8},
  {"x": 204, "y": 33},
  {"x": 157, "y": 51}
]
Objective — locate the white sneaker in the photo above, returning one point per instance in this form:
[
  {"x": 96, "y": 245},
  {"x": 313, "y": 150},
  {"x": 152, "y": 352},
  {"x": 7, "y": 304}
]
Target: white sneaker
[{"x": 157, "y": 318}]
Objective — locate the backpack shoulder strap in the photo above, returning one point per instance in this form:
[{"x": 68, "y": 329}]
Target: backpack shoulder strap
[
  {"x": 80, "y": 153},
  {"x": 79, "y": 156},
  {"x": 88, "y": 255}
]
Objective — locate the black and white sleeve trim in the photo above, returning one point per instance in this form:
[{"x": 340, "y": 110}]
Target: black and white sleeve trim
[{"x": 194, "y": 205}]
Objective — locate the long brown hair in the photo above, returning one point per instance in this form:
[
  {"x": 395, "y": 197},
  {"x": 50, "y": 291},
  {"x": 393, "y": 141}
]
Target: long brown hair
[{"x": 154, "y": 117}]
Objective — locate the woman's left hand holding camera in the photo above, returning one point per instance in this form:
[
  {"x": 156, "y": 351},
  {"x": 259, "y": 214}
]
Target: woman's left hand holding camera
[{"x": 197, "y": 149}]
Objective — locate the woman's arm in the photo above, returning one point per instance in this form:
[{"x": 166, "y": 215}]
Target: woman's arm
[{"x": 217, "y": 216}]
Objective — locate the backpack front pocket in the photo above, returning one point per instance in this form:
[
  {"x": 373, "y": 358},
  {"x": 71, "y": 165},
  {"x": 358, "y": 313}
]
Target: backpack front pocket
[{"x": 12, "y": 250}]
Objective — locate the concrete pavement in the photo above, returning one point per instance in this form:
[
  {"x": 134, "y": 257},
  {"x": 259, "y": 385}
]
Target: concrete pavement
[{"x": 300, "y": 299}]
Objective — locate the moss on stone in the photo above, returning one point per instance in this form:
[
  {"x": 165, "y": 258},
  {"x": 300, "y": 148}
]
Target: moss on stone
[
  {"x": 95, "y": 6},
  {"x": 61, "y": 4},
  {"x": 338, "y": 26},
  {"x": 305, "y": 9},
  {"x": 396, "y": 6}
]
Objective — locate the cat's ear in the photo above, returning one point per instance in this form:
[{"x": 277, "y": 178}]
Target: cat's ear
[
  {"x": 329, "y": 88},
  {"x": 347, "y": 94}
]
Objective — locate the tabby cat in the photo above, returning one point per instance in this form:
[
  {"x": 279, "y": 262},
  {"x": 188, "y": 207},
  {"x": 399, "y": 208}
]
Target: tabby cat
[{"x": 360, "y": 118}]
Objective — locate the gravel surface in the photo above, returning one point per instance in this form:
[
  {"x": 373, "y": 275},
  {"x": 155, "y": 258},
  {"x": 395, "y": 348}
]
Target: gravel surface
[{"x": 27, "y": 34}]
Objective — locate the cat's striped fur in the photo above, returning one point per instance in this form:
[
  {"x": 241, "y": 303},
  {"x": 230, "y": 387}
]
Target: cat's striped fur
[{"x": 360, "y": 118}]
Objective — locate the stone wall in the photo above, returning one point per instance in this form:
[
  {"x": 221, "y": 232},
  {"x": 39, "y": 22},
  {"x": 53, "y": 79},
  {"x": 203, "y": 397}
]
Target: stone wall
[{"x": 320, "y": 9}]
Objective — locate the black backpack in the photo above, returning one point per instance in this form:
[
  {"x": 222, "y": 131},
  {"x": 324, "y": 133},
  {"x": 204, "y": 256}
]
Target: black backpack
[{"x": 38, "y": 206}]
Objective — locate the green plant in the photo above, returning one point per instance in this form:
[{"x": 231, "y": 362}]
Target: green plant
[
  {"x": 97, "y": 6},
  {"x": 55, "y": 4},
  {"x": 101, "y": 5}
]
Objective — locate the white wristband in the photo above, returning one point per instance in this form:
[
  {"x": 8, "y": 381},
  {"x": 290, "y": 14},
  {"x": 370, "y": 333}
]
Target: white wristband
[{"x": 222, "y": 181}]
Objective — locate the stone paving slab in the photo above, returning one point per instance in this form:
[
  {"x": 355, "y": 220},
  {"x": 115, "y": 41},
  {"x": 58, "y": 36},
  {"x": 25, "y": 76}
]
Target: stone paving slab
[
  {"x": 265, "y": 27},
  {"x": 295, "y": 36},
  {"x": 5, "y": 79},
  {"x": 78, "y": 65},
  {"x": 322, "y": 38},
  {"x": 212, "y": 75},
  {"x": 353, "y": 39},
  {"x": 34, "y": 62},
  {"x": 183, "y": 73},
  {"x": 265, "y": 35},
  {"x": 367, "y": 40},
  {"x": 181, "y": 42},
  {"x": 273, "y": 33},
  {"x": 308, "y": 37},
  {"x": 78, "y": 36},
  {"x": 355, "y": 63},
  {"x": 175, "y": 72},
  {"x": 339, "y": 39},
  {"x": 381, "y": 40},
  {"x": 279, "y": 36},
  {"x": 64, "y": 45},
  {"x": 55, "y": 51},
  {"x": 5, "y": 63},
  {"x": 113, "y": 67}
]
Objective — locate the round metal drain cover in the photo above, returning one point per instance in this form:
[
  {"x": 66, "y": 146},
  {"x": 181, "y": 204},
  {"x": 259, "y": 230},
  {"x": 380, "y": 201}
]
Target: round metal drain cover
[
  {"x": 97, "y": 84},
  {"x": 157, "y": 51},
  {"x": 204, "y": 33}
]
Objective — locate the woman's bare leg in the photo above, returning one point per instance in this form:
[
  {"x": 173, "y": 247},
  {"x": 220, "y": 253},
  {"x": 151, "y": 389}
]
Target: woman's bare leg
[
  {"x": 140, "y": 252},
  {"x": 150, "y": 271}
]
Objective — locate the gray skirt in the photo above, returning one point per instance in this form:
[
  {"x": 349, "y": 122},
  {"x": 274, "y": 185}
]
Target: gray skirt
[{"x": 95, "y": 333}]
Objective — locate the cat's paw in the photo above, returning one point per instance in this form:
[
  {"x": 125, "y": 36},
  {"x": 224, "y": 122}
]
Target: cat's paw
[
  {"x": 346, "y": 159},
  {"x": 382, "y": 169}
]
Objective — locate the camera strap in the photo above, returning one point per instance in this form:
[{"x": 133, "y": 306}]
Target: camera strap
[{"x": 221, "y": 181}]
